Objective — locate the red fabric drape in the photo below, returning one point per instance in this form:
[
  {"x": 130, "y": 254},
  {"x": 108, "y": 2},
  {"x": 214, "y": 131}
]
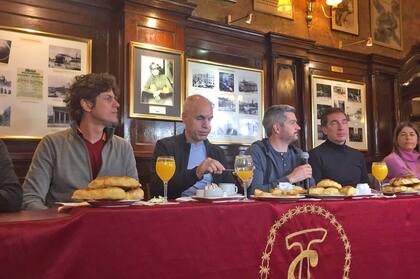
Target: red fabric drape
[{"x": 375, "y": 238}]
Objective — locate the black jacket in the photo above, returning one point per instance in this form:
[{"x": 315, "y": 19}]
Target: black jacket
[
  {"x": 10, "y": 189},
  {"x": 183, "y": 179}
]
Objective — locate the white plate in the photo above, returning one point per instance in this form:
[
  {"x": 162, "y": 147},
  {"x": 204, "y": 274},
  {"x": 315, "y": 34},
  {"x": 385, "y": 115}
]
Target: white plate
[
  {"x": 362, "y": 196},
  {"x": 329, "y": 197},
  {"x": 278, "y": 198},
  {"x": 210, "y": 199},
  {"x": 111, "y": 203},
  {"x": 401, "y": 194}
]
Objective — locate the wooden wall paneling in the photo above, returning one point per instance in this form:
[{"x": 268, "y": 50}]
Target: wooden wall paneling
[
  {"x": 409, "y": 83},
  {"x": 159, "y": 23},
  {"x": 287, "y": 51},
  {"x": 384, "y": 77}
]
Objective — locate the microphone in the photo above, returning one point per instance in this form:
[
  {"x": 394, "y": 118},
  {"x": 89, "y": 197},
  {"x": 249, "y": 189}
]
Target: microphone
[{"x": 305, "y": 158}]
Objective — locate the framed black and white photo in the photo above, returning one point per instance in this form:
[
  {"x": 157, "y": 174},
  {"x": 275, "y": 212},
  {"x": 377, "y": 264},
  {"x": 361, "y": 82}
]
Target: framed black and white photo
[
  {"x": 156, "y": 82},
  {"x": 237, "y": 96},
  {"x": 386, "y": 20},
  {"x": 350, "y": 96},
  {"x": 36, "y": 70}
]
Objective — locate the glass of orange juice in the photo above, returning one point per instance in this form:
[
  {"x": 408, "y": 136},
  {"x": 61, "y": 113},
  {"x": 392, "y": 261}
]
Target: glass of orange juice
[
  {"x": 244, "y": 168},
  {"x": 165, "y": 169},
  {"x": 379, "y": 171}
]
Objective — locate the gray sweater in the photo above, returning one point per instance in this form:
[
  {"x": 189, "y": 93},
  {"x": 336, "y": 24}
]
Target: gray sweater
[{"x": 61, "y": 165}]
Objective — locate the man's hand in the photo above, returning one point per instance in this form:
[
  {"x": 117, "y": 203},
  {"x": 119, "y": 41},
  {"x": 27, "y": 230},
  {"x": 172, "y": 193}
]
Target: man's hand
[
  {"x": 300, "y": 173},
  {"x": 209, "y": 165}
]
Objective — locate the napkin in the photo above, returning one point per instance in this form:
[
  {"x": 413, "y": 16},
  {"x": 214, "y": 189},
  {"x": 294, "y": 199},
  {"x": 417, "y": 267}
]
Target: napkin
[{"x": 65, "y": 206}]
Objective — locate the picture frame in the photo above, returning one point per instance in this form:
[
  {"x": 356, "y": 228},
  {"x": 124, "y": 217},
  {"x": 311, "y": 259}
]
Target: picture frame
[
  {"x": 272, "y": 7},
  {"x": 156, "y": 82},
  {"x": 345, "y": 18},
  {"x": 386, "y": 20},
  {"x": 350, "y": 96},
  {"x": 237, "y": 95},
  {"x": 32, "y": 90}
]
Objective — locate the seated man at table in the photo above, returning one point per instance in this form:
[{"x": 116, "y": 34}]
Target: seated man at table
[
  {"x": 10, "y": 190},
  {"x": 275, "y": 158},
  {"x": 333, "y": 159},
  {"x": 198, "y": 162},
  {"x": 70, "y": 159}
]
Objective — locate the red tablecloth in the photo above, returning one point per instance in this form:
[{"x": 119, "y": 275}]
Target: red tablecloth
[{"x": 375, "y": 238}]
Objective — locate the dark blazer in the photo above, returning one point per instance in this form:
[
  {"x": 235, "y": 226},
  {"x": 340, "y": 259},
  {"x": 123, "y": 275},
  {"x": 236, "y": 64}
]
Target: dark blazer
[
  {"x": 10, "y": 189},
  {"x": 183, "y": 179}
]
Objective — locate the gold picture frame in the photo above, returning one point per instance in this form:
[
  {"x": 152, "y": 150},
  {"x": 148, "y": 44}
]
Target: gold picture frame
[
  {"x": 350, "y": 96},
  {"x": 237, "y": 95},
  {"x": 36, "y": 69},
  {"x": 156, "y": 82}
]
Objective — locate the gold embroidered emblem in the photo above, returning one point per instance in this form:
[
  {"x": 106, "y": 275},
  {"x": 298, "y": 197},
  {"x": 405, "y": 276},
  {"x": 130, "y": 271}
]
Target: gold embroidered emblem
[{"x": 317, "y": 235}]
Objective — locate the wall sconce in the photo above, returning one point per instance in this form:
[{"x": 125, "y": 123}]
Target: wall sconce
[
  {"x": 248, "y": 18},
  {"x": 310, "y": 9},
  {"x": 368, "y": 42}
]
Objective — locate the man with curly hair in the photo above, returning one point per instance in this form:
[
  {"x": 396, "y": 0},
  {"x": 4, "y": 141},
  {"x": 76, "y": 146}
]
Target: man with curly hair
[{"x": 70, "y": 159}]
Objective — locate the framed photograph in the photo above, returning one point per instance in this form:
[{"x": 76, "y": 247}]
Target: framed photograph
[
  {"x": 36, "y": 70},
  {"x": 350, "y": 96},
  {"x": 237, "y": 95},
  {"x": 345, "y": 17},
  {"x": 275, "y": 7},
  {"x": 386, "y": 23},
  {"x": 156, "y": 82}
]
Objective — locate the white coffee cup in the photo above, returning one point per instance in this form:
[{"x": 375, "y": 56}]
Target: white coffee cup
[
  {"x": 216, "y": 192},
  {"x": 200, "y": 193},
  {"x": 363, "y": 189},
  {"x": 230, "y": 189}
]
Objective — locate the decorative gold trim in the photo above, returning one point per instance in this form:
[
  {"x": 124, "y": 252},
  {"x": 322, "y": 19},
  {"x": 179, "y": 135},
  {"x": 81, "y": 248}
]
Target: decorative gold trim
[
  {"x": 298, "y": 210},
  {"x": 236, "y": 67},
  {"x": 132, "y": 46}
]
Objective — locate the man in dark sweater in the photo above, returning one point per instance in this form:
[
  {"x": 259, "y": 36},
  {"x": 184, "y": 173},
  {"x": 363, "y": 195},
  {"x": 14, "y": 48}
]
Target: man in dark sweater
[
  {"x": 334, "y": 159},
  {"x": 198, "y": 162}
]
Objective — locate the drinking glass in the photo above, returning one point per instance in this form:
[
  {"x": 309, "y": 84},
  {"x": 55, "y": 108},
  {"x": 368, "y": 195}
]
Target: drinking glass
[
  {"x": 165, "y": 169},
  {"x": 244, "y": 168},
  {"x": 379, "y": 171}
]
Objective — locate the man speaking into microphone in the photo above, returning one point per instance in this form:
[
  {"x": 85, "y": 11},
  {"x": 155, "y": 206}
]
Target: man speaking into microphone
[{"x": 275, "y": 158}]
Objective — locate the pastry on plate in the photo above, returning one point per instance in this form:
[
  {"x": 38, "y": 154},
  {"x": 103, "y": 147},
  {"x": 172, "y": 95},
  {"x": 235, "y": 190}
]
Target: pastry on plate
[
  {"x": 331, "y": 191},
  {"x": 348, "y": 190},
  {"x": 125, "y": 182},
  {"x": 328, "y": 183}
]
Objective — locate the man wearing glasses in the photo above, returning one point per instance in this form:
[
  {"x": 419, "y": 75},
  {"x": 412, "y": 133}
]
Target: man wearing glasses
[
  {"x": 70, "y": 159},
  {"x": 333, "y": 159}
]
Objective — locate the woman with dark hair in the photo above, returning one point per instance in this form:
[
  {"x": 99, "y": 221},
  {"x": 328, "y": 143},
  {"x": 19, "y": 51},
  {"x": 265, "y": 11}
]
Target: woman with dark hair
[{"x": 405, "y": 158}]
